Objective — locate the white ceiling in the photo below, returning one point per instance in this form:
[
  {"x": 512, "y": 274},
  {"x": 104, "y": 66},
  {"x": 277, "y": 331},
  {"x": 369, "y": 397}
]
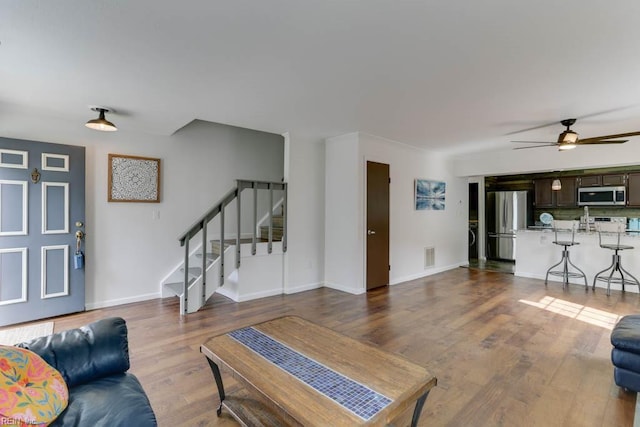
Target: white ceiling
[{"x": 446, "y": 75}]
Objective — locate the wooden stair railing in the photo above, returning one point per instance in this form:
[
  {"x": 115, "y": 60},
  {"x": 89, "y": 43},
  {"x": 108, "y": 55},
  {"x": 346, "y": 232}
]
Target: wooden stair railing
[{"x": 219, "y": 209}]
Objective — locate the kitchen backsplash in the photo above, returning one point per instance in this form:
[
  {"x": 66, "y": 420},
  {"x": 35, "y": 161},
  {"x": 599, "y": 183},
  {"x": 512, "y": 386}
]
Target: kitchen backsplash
[{"x": 575, "y": 213}]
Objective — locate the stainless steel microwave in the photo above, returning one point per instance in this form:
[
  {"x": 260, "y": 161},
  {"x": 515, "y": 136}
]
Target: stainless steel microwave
[{"x": 603, "y": 196}]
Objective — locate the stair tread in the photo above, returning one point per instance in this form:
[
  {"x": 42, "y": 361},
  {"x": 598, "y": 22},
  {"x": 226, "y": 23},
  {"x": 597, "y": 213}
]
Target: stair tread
[
  {"x": 194, "y": 271},
  {"x": 175, "y": 287},
  {"x": 276, "y": 233},
  {"x": 229, "y": 242}
]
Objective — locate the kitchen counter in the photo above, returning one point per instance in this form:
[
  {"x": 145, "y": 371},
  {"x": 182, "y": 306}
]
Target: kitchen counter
[
  {"x": 542, "y": 228},
  {"x": 536, "y": 253}
]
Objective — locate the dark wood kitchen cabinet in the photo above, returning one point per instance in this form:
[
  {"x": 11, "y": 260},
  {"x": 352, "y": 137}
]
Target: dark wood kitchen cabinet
[
  {"x": 633, "y": 189},
  {"x": 567, "y": 196},
  {"x": 545, "y": 197},
  {"x": 613, "y": 180},
  {"x": 610, "y": 180},
  {"x": 591, "y": 181}
]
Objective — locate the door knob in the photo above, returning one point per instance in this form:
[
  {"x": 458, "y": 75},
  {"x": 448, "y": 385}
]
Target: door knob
[{"x": 370, "y": 232}]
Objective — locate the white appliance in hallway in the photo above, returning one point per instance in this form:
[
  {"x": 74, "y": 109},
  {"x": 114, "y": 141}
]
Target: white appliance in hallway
[{"x": 507, "y": 212}]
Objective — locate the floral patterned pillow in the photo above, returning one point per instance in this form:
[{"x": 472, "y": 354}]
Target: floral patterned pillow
[{"x": 32, "y": 393}]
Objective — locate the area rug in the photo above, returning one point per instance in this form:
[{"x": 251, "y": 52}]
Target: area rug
[{"x": 25, "y": 333}]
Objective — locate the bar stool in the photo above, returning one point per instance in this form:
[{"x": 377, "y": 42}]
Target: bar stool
[
  {"x": 609, "y": 229},
  {"x": 562, "y": 230}
]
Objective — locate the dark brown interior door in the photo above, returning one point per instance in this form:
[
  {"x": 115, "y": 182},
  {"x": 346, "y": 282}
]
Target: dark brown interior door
[{"x": 377, "y": 225}]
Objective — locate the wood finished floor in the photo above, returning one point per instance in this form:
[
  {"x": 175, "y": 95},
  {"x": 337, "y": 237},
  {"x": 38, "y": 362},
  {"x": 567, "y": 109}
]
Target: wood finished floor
[{"x": 499, "y": 361}]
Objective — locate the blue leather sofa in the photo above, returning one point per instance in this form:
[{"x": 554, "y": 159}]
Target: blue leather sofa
[
  {"x": 625, "y": 355},
  {"x": 94, "y": 360}
]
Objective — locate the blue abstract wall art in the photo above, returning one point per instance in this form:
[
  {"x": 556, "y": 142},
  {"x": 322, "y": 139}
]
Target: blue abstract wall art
[{"x": 429, "y": 195}]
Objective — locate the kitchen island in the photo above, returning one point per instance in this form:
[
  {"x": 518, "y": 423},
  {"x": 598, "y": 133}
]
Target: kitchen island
[{"x": 536, "y": 253}]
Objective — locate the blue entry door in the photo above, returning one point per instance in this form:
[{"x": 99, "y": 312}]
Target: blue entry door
[{"x": 42, "y": 205}]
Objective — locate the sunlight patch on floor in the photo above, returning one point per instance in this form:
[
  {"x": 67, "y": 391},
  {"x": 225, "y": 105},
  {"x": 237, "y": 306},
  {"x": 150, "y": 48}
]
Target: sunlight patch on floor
[{"x": 583, "y": 313}]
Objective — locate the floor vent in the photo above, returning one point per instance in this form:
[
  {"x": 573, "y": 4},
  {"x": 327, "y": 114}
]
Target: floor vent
[{"x": 429, "y": 257}]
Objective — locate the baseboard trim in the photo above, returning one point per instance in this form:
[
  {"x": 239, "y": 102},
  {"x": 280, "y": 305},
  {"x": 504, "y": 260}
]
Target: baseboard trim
[
  {"x": 268, "y": 293},
  {"x": 303, "y": 288},
  {"x": 430, "y": 272},
  {"x": 247, "y": 297},
  {"x": 226, "y": 293},
  {"x": 120, "y": 301},
  {"x": 346, "y": 289},
  {"x": 258, "y": 295}
]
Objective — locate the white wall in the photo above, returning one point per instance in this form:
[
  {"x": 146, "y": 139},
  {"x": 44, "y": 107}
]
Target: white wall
[
  {"x": 259, "y": 275},
  {"x": 410, "y": 230},
  {"x": 304, "y": 172},
  {"x": 343, "y": 215},
  {"x": 127, "y": 252}
]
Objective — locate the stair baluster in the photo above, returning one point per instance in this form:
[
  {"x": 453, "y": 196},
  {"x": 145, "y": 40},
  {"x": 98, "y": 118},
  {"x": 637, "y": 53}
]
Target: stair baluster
[
  {"x": 222, "y": 246},
  {"x": 195, "y": 276},
  {"x": 255, "y": 219},
  {"x": 238, "y": 227},
  {"x": 284, "y": 218},
  {"x": 204, "y": 263},
  {"x": 270, "y": 245},
  {"x": 185, "y": 285}
]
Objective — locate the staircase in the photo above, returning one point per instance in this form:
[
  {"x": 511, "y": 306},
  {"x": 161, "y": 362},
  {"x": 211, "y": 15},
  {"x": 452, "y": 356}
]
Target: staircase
[
  {"x": 203, "y": 271},
  {"x": 173, "y": 284},
  {"x": 277, "y": 229}
]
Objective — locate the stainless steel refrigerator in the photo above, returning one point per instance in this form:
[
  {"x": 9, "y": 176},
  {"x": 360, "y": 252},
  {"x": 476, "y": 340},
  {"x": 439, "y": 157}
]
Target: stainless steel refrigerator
[{"x": 507, "y": 212}]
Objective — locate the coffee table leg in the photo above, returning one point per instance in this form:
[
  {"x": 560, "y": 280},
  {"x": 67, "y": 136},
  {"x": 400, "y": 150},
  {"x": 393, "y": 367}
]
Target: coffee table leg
[
  {"x": 418, "y": 409},
  {"x": 218, "y": 377}
]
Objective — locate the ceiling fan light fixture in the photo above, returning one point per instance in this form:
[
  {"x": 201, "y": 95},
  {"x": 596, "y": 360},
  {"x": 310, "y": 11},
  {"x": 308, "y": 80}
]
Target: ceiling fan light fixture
[
  {"x": 566, "y": 146},
  {"x": 556, "y": 185},
  {"x": 568, "y": 137},
  {"x": 101, "y": 123}
]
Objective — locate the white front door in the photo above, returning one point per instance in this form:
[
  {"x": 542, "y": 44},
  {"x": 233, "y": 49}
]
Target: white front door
[{"x": 42, "y": 205}]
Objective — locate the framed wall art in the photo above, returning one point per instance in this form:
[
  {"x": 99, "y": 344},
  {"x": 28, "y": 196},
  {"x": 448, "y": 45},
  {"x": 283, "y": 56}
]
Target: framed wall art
[
  {"x": 133, "y": 179},
  {"x": 429, "y": 195}
]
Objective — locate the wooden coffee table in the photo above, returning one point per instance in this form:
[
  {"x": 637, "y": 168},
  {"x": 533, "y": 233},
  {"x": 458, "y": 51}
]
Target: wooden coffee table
[{"x": 295, "y": 372}]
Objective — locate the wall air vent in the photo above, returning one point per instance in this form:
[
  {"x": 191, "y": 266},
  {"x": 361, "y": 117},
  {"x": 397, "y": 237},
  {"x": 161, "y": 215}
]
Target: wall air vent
[{"x": 429, "y": 257}]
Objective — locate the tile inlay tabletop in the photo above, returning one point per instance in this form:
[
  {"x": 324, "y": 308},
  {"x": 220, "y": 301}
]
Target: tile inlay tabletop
[
  {"x": 352, "y": 395},
  {"x": 305, "y": 374}
]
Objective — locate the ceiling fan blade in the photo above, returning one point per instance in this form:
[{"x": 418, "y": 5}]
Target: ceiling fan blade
[
  {"x": 600, "y": 138},
  {"x": 585, "y": 116},
  {"x": 532, "y": 128},
  {"x": 534, "y": 142},
  {"x": 536, "y": 146},
  {"x": 600, "y": 141}
]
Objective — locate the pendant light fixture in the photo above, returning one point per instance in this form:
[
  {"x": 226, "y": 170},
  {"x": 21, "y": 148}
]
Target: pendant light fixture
[
  {"x": 556, "y": 185},
  {"x": 101, "y": 123}
]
